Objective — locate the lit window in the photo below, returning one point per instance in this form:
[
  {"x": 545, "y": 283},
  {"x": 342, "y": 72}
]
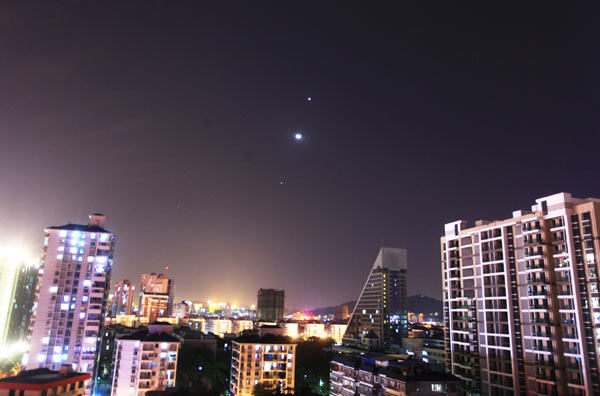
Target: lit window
[
  {"x": 61, "y": 248},
  {"x": 437, "y": 388},
  {"x": 81, "y": 315},
  {"x": 73, "y": 250},
  {"x": 59, "y": 256},
  {"x": 65, "y": 298},
  {"x": 103, "y": 237},
  {"x": 93, "y": 236},
  {"x": 84, "y": 298},
  {"x": 82, "y": 243},
  {"x": 87, "y": 283},
  {"x": 91, "y": 259},
  {"x": 63, "y": 234},
  {"x": 75, "y": 234},
  {"x": 64, "y": 307},
  {"x": 53, "y": 289},
  {"x": 45, "y": 340},
  {"x": 101, "y": 259}
]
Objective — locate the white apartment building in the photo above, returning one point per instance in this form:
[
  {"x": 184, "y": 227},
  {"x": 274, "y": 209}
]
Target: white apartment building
[
  {"x": 144, "y": 361},
  {"x": 71, "y": 295},
  {"x": 522, "y": 301},
  {"x": 218, "y": 327},
  {"x": 268, "y": 360}
]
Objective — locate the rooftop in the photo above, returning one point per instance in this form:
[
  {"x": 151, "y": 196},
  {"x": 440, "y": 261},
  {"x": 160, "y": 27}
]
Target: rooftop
[
  {"x": 408, "y": 370},
  {"x": 78, "y": 227},
  {"x": 145, "y": 336},
  {"x": 265, "y": 339},
  {"x": 41, "y": 378}
]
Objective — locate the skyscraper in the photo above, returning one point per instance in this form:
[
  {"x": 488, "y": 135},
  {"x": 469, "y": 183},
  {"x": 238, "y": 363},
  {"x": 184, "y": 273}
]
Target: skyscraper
[
  {"x": 122, "y": 298},
  {"x": 270, "y": 305},
  {"x": 71, "y": 294},
  {"x": 18, "y": 275},
  {"x": 156, "y": 296},
  {"x": 379, "y": 319},
  {"x": 521, "y": 300}
]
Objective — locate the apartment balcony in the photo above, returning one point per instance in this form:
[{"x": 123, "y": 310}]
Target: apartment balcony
[
  {"x": 544, "y": 334},
  {"x": 543, "y": 348},
  {"x": 537, "y": 293}
]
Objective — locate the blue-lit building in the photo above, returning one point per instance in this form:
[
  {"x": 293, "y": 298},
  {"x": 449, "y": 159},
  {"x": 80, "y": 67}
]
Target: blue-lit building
[{"x": 70, "y": 296}]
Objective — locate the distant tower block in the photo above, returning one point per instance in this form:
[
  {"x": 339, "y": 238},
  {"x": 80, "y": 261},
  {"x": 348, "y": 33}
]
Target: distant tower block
[{"x": 381, "y": 309}]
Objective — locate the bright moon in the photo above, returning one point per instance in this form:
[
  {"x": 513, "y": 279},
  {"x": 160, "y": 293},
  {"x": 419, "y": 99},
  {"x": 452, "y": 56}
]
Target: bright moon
[{"x": 298, "y": 136}]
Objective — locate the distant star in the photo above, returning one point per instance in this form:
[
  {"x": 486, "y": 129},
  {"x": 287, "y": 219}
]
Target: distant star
[
  {"x": 309, "y": 98},
  {"x": 298, "y": 136}
]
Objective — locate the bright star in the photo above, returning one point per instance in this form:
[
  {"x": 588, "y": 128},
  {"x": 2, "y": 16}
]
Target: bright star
[{"x": 298, "y": 136}]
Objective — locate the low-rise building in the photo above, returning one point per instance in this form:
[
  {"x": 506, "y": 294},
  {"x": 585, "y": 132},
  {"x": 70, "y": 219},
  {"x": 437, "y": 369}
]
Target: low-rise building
[
  {"x": 268, "y": 360},
  {"x": 43, "y": 381},
  {"x": 145, "y": 360},
  {"x": 336, "y": 331},
  {"x": 218, "y": 327},
  {"x": 388, "y": 377}
]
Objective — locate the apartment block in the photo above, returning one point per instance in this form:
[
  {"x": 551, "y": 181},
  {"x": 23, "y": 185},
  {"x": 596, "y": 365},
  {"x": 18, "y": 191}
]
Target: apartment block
[
  {"x": 521, "y": 300},
  {"x": 123, "y": 298},
  {"x": 371, "y": 375},
  {"x": 268, "y": 360},
  {"x": 145, "y": 361},
  {"x": 18, "y": 276},
  {"x": 70, "y": 296},
  {"x": 270, "y": 305},
  {"x": 156, "y": 296}
]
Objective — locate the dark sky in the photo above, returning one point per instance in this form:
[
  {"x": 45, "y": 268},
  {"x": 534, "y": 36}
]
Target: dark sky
[{"x": 177, "y": 120}]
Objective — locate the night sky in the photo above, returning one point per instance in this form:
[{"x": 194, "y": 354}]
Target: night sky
[{"x": 177, "y": 121}]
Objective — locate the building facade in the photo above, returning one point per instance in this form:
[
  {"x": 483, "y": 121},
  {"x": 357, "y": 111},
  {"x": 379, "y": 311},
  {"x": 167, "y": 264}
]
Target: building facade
[
  {"x": 70, "y": 297},
  {"x": 122, "y": 298},
  {"x": 268, "y": 360},
  {"x": 156, "y": 296},
  {"x": 364, "y": 378},
  {"x": 521, "y": 300},
  {"x": 145, "y": 361},
  {"x": 18, "y": 276},
  {"x": 270, "y": 305},
  {"x": 382, "y": 305}
]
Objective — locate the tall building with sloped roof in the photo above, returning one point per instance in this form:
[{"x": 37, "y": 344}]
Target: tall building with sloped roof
[{"x": 381, "y": 308}]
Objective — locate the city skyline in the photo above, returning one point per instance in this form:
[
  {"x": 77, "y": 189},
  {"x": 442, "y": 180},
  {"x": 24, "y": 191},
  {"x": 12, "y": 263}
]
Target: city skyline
[{"x": 180, "y": 125}]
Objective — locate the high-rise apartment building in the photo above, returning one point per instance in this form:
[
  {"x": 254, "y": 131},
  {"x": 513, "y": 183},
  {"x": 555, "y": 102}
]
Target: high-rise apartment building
[
  {"x": 381, "y": 309},
  {"x": 268, "y": 360},
  {"x": 71, "y": 294},
  {"x": 156, "y": 296},
  {"x": 341, "y": 312},
  {"x": 122, "y": 298},
  {"x": 521, "y": 300},
  {"x": 270, "y": 305},
  {"x": 145, "y": 361},
  {"x": 18, "y": 276}
]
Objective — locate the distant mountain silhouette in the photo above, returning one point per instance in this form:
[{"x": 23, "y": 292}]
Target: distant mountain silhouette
[
  {"x": 418, "y": 303},
  {"x": 424, "y": 304}
]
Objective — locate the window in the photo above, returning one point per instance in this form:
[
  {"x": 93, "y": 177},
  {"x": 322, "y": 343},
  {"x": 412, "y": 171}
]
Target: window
[{"x": 437, "y": 388}]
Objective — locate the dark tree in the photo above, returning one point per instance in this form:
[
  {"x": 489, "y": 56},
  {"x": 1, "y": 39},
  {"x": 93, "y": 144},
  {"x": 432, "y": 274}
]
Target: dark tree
[{"x": 312, "y": 367}]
